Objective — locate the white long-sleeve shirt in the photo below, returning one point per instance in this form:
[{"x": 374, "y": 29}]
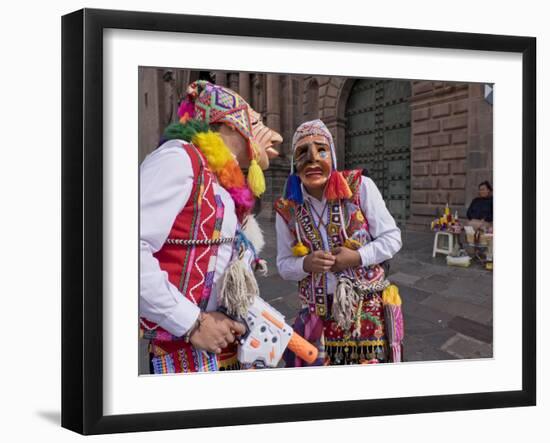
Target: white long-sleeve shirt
[
  {"x": 382, "y": 229},
  {"x": 166, "y": 182}
]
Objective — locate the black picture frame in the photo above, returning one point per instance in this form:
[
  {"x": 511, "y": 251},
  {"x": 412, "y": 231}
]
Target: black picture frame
[{"x": 82, "y": 219}]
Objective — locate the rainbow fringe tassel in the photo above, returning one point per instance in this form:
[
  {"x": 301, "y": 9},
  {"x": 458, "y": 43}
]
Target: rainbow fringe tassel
[{"x": 337, "y": 187}]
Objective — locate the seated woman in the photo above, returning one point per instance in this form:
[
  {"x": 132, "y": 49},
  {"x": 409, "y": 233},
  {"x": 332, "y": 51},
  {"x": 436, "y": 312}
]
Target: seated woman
[{"x": 480, "y": 212}]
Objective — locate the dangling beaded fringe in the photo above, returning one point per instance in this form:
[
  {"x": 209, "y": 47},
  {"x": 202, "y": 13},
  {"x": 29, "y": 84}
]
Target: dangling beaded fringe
[{"x": 355, "y": 354}]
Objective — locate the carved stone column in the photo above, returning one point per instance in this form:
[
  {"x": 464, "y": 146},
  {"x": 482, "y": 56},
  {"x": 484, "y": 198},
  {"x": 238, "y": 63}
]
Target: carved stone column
[
  {"x": 233, "y": 81},
  {"x": 244, "y": 85},
  {"x": 221, "y": 78},
  {"x": 273, "y": 114}
]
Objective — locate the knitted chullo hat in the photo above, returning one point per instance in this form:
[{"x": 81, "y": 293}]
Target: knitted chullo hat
[
  {"x": 337, "y": 187},
  {"x": 216, "y": 104},
  {"x": 313, "y": 127}
]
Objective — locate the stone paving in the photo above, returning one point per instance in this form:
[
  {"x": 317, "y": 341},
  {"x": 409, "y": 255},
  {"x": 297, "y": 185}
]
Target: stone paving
[{"x": 448, "y": 311}]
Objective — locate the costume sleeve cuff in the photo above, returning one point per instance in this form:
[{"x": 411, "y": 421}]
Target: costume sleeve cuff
[
  {"x": 366, "y": 253},
  {"x": 301, "y": 274},
  {"x": 181, "y": 319}
]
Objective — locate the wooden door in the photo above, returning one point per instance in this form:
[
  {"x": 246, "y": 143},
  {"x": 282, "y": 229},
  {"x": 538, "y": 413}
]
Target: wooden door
[{"x": 378, "y": 139}]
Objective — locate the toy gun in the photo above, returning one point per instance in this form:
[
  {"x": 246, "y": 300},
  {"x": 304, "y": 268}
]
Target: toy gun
[{"x": 267, "y": 336}]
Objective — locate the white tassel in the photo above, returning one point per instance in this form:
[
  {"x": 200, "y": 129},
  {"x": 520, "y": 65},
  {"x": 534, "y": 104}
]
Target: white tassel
[
  {"x": 261, "y": 267},
  {"x": 252, "y": 231},
  {"x": 238, "y": 289},
  {"x": 344, "y": 303}
]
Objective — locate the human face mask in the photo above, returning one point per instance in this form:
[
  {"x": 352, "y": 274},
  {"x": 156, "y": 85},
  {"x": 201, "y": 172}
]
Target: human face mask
[{"x": 313, "y": 161}]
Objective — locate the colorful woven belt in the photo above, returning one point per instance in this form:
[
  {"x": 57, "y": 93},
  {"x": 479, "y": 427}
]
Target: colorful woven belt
[{"x": 203, "y": 242}]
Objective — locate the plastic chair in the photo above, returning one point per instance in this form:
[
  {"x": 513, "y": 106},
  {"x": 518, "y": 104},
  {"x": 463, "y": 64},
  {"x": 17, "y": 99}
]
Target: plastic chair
[{"x": 449, "y": 243}]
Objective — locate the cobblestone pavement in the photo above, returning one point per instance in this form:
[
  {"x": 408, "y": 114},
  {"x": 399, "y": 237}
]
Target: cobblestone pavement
[{"x": 448, "y": 311}]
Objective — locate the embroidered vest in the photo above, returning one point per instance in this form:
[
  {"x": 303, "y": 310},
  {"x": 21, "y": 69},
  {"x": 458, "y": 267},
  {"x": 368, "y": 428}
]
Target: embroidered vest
[
  {"x": 191, "y": 268},
  {"x": 313, "y": 288}
]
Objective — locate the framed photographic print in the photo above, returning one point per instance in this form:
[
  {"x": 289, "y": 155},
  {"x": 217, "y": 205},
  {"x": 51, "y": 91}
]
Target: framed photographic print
[{"x": 391, "y": 171}]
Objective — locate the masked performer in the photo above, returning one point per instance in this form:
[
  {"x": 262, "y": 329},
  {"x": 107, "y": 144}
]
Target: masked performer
[
  {"x": 333, "y": 232},
  {"x": 198, "y": 239}
]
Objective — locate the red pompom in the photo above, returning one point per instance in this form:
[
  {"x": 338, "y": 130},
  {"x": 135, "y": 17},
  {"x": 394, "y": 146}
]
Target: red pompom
[{"x": 337, "y": 187}]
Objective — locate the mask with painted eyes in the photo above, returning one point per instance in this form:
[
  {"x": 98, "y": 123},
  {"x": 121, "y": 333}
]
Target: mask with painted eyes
[{"x": 313, "y": 159}]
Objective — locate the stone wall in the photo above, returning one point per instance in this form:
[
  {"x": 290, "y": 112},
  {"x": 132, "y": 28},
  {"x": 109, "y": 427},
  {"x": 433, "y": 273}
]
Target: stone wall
[{"x": 451, "y": 147}]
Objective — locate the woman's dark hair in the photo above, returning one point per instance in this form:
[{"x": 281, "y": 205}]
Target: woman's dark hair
[{"x": 487, "y": 184}]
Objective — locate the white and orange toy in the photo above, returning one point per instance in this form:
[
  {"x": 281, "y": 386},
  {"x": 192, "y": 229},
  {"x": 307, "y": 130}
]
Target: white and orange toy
[{"x": 267, "y": 337}]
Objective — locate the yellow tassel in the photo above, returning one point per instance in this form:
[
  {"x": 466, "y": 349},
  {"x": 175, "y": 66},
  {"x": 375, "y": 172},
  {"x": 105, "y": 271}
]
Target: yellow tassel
[
  {"x": 300, "y": 250},
  {"x": 256, "y": 179},
  {"x": 214, "y": 149},
  {"x": 352, "y": 244},
  {"x": 390, "y": 296}
]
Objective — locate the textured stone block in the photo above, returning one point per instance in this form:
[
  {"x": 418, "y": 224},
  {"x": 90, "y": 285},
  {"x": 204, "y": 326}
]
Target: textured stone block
[
  {"x": 459, "y": 137},
  {"x": 439, "y": 197},
  {"x": 419, "y": 196},
  {"x": 454, "y": 152},
  {"x": 425, "y": 155},
  {"x": 481, "y": 124},
  {"x": 444, "y": 182},
  {"x": 420, "y": 141},
  {"x": 458, "y": 167},
  {"x": 441, "y": 168},
  {"x": 329, "y": 102},
  {"x": 422, "y": 87},
  {"x": 460, "y": 107},
  {"x": 477, "y": 160},
  {"x": 424, "y": 183},
  {"x": 458, "y": 182},
  {"x": 426, "y": 127},
  {"x": 457, "y": 198},
  {"x": 457, "y": 122},
  {"x": 476, "y": 90},
  {"x": 440, "y": 139},
  {"x": 442, "y": 110},
  {"x": 424, "y": 210},
  {"x": 420, "y": 169},
  {"x": 420, "y": 114}
]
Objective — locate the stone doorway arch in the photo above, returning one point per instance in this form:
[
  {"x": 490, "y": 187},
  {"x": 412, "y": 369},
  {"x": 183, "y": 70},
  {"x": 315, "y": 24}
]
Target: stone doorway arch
[{"x": 374, "y": 131}]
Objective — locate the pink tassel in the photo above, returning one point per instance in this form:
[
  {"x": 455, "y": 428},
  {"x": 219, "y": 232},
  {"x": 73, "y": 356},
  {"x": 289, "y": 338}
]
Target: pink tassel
[
  {"x": 186, "y": 111},
  {"x": 337, "y": 187},
  {"x": 244, "y": 200}
]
